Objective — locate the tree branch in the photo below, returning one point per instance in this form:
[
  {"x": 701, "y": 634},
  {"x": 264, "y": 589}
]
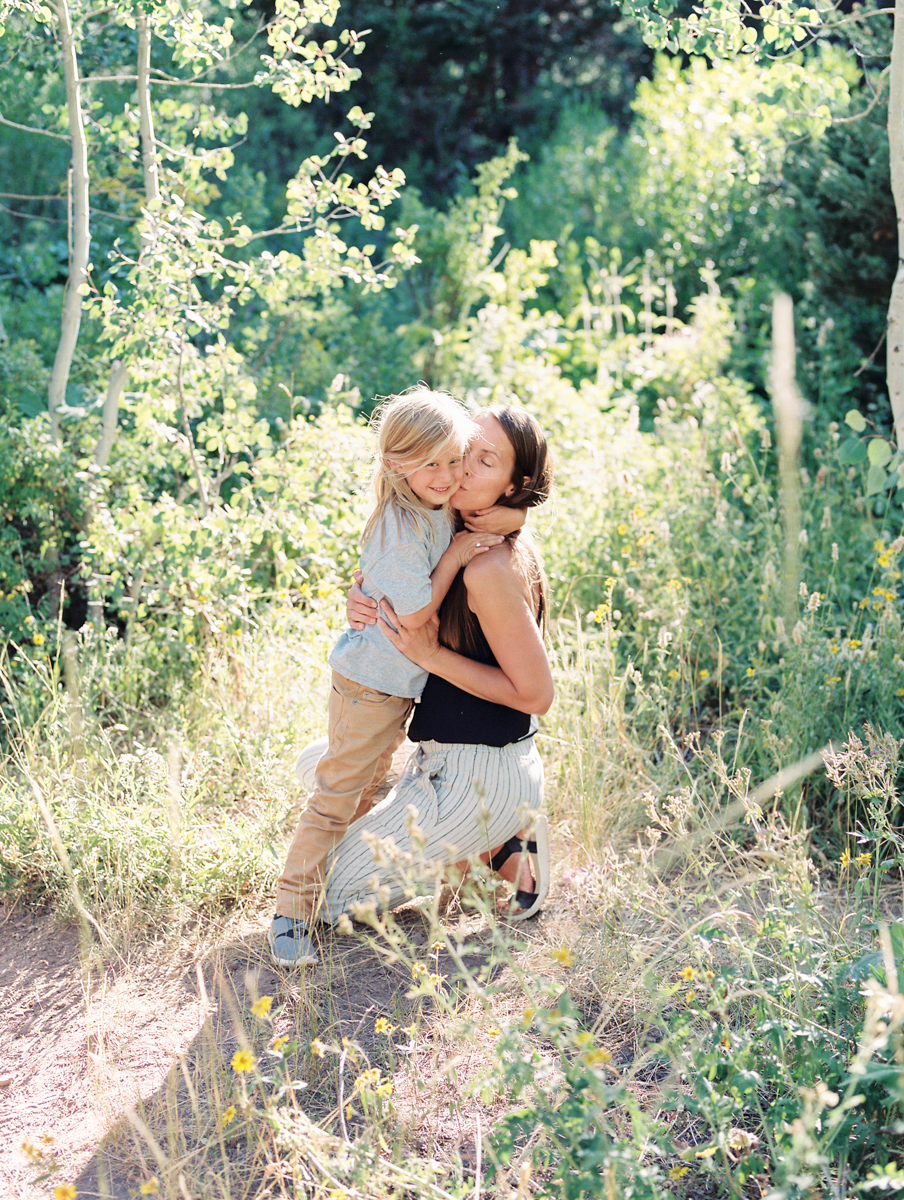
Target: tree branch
[{"x": 63, "y": 137}]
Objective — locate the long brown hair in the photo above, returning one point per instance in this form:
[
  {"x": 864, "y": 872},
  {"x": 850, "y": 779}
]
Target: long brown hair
[{"x": 532, "y": 475}]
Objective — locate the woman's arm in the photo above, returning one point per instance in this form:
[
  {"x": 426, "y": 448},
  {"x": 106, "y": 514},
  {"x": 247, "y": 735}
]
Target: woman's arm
[{"x": 497, "y": 597}]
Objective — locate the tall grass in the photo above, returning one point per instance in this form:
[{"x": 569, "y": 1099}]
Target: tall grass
[{"x": 710, "y": 1000}]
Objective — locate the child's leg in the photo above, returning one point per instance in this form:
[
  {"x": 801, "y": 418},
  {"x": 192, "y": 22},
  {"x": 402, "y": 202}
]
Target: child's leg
[
  {"x": 369, "y": 796},
  {"x": 363, "y": 725}
]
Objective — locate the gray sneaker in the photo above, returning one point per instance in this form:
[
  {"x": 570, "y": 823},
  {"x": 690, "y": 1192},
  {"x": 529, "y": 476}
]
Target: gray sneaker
[{"x": 290, "y": 943}]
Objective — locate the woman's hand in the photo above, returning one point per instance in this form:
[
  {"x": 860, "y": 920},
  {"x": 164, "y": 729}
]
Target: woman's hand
[
  {"x": 496, "y": 519},
  {"x": 420, "y": 645},
  {"x": 360, "y": 609}
]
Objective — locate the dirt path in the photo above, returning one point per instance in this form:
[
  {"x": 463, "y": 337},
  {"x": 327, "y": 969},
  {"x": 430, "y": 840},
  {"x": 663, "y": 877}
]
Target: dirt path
[{"x": 81, "y": 1046}]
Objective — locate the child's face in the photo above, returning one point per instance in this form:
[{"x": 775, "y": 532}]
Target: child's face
[{"x": 438, "y": 479}]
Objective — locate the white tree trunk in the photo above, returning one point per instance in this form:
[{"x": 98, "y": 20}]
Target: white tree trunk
[
  {"x": 788, "y": 407},
  {"x": 148, "y": 140},
  {"x": 116, "y": 385},
  {"x": 895, "y": 362},
  {"x": 80, "y": 233}
]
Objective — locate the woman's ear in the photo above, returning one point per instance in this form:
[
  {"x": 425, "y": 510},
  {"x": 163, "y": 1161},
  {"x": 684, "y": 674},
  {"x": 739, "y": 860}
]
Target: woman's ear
[{"x": 511, "y": 489}]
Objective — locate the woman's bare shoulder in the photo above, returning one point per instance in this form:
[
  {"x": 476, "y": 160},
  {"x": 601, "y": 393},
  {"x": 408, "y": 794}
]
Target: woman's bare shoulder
[{"x": 496, "y": 569}]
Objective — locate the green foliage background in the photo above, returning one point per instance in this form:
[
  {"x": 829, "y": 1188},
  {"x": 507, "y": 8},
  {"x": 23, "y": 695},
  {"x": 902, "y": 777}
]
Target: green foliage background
[{"x": 588, "y": 230}]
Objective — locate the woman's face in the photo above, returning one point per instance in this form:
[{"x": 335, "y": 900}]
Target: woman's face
[{"x": 489, "y": 464}]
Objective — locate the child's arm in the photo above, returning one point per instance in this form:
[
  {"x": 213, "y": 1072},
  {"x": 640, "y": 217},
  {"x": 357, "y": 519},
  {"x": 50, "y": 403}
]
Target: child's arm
[
  {"x": 461, "y": 550},
  {"x": 497, "y": 519}
]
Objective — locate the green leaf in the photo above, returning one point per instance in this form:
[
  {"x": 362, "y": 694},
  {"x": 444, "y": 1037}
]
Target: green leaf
[
  {"x": 879, "y": 452},
  {"x": 855, "y": 420},
  {"x": 852, "y": 451},
  {"x": 876, "y": 480}
]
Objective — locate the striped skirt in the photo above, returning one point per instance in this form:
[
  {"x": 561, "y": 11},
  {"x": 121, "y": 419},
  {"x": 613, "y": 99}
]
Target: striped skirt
[{"x": 452, "y": 803}]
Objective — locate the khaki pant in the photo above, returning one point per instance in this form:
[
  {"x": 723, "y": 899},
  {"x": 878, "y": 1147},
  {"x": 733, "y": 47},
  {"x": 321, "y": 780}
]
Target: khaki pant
[{"x": 365, "y": 728}]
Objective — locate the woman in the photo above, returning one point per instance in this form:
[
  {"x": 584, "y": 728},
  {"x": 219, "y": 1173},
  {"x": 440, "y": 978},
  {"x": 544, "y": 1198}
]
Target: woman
[{"x": 476, "y": 773}]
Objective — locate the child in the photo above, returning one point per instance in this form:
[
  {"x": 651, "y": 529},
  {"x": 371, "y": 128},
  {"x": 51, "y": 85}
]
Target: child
[{"x": 410, "y": 556}]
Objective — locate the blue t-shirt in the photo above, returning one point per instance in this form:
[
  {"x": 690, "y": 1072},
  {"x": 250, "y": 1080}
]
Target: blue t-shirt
[{"x": 397, "y": 562}]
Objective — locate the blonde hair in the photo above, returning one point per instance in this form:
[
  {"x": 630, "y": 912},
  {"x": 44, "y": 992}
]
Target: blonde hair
[{"x": 412, "y": 429}]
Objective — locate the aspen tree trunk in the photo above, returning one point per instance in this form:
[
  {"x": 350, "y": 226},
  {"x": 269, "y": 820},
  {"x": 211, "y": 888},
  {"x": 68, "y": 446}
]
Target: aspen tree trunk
[
  {"x": 895, "y": 365},
  {"x": 148, "y": 139},
  {"x": 80, "y": 233},
  {"x": 120, "y": 373},
  {"x": 786, "y": 403}
]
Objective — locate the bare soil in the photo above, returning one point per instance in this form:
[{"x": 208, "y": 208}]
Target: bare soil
[{"x": 86, "y": 1042}]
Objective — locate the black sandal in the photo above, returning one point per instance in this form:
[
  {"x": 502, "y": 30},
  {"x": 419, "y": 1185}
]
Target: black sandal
[{"x": 526, "y": 904}]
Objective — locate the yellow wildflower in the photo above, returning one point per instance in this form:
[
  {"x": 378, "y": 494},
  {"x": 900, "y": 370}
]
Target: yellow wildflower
[
  {"x": 385, "y": 1089},
  {"x": 854, "y": 644},
  {"x": 845, "y": 859},
  {"x": 563, "y": 956},
  {"x": 438, "y": 946},
  {"x": 280, "y": 1042},
  {"x": 598, "y": 1058},
  {"x": 317, "y": 1048},
  {"x": 150, "y": 1187},
  {"x": 673, "y": 674},
  {"x": 38, "y": 640},
  {"x": 242, "y": 1061},
  {"x": 704, "y": 675},
  {"x": 863, "y": 860},
  {"x": 31, "y": 1151},
  {"x": 622, "y": 529},
  {"x": 491, "y": 1031},
  {"x": 900, "y": 692},
  {"x": 436, "y": 980},
  {"x": 527, "y": 1016},
  {"x": 687, "y": 973},
  {"x": 751, "y": 671},
  {"x": 689, "y": 996},
  {"x": 368, "y": 1079},
  {"x": 261, "y": 1007},
  {"x": 418, "y": 969},
  {"x": 64, "y": 1191},
  {"x": 381, "y": 1025},
  {"x": 678, "y": 1172},
  {"x": 228, "y": 1115},
  {"x": 830, "y": 679}
]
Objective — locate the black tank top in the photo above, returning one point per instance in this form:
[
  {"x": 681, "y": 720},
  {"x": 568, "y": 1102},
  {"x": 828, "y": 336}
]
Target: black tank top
[{"x": 448, "y": 714}]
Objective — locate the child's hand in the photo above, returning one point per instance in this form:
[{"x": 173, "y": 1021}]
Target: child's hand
[
  {"x": 497, "y": 519},
  {"x": 465, "y": 545},
  {"x": 360, "y": 609}
]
